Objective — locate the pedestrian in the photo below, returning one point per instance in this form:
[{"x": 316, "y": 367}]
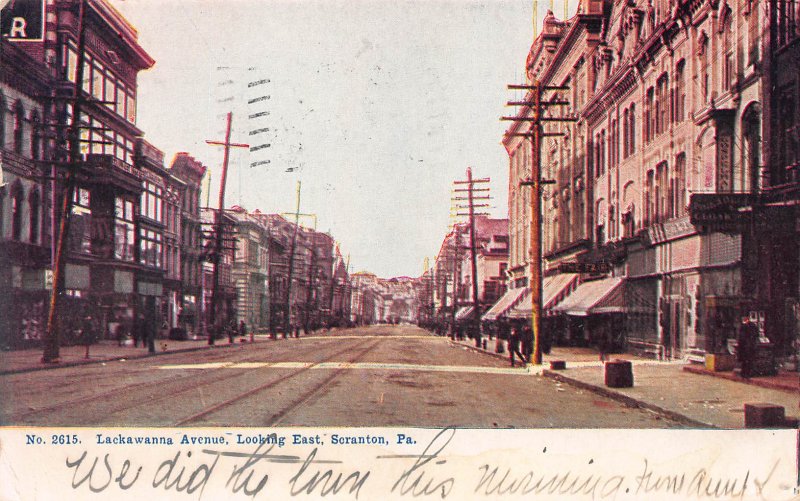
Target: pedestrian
[
  {"x": 527, "y": 343},
  {"x": 513, "y": 345},
  {"x": 243, "y": 330},
  {"x": 602, "y": 343},
  {"x": 138, "y": 331},
  {"x": 88, "y": 334},
  {"x": 296, "y": 330},
  {"x": 746, "y": 347},
  {"x": 231, "y": 329},
  {"x": 119, "y": 333}
]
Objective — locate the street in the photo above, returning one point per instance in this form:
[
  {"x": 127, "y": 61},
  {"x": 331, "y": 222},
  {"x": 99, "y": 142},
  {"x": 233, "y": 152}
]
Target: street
[{"x": 371, "y": 376}]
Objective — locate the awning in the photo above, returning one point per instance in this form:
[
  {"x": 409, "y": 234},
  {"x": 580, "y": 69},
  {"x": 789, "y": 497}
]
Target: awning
[
  {"x": 463, "y": 313},
  {"x": 554, "y": 288},
  {"x": 506, "y": 302},
  {"x": 595, "y": 297}
]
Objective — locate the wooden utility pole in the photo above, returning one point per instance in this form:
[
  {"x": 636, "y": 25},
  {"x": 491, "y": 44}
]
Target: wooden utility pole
[
  {"x": 471, "y": 205},
  {"x": 288, "y": 320},
  {"x": 534, "y": 104},
  {"x": 52, "y": 342},
  {"x": 219, "y": 225}
]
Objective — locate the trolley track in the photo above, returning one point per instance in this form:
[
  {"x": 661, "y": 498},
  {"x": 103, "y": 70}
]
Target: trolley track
[
  {"x": 275, "y": 418},
  {"x": 141, "y": 389}
]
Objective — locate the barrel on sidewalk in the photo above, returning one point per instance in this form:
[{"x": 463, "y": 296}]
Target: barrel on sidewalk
[{"x": 619, "y": 373}]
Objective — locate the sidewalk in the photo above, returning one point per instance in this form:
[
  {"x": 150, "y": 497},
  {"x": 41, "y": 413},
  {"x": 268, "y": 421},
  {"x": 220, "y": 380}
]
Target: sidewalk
[
  {"x": 685, "y": 393},
  {"x": 19, "y": 361}
]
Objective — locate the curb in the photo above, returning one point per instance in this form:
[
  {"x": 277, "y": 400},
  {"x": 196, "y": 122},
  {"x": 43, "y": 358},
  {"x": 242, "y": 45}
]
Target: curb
[
  {"x": 478, "y": 350},
  {"x": 733, "y": 377},
  {"x": 76, "y": 363},
  {"x": 626, "y": 399}
]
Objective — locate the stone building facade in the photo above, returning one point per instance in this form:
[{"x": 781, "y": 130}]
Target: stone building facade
[{"x": 666, "y": 103}]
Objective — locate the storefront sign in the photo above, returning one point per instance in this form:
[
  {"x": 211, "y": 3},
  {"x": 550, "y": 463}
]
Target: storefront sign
[
  {"x": 599, "y": 267},
  {"x": 727, "y": 212},
  {"x": 23, "y": 20}
]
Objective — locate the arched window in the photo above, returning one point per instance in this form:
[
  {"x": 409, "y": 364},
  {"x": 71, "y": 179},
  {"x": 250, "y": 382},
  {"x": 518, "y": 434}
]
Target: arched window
[
  {"x": 17, "y": 199},
  {"x": 680, "y": 91},
  {"x": 751, "y": 126},
  {"x": 34, "y": 200},
  {"x": 19, "y": 126},
  {"x": 678, "y": 186}
]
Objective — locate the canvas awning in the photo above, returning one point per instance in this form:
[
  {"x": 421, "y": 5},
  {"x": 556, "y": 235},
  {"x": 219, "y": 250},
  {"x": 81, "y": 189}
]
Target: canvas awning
[
  {"x": 554, "y": 288},
  {"x": 595, "y": 297},
  {"x": 506, "y": 302},
  {"x": 463, "y": 313}
]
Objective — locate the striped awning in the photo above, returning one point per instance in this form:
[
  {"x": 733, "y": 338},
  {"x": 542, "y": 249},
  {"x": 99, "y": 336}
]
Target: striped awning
[
  {"x": 595, "y": 297},
  {"x": 506, "y": 302},
  {"x": 464, "y": 313},
  {"x": 554, "y": 289}
]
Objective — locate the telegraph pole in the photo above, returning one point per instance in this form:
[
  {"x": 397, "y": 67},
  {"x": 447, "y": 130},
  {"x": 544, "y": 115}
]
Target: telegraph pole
[
  {"x": 535, "y": 104},
  {"x": 470, "y": 190},
  {"x": 219, "y": 224},
  {"x": 52, "y": 342},
  {"x": 288, "y": 321}
]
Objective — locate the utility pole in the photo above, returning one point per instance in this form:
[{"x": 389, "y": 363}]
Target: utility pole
[
  {"x": 219, "y": 226},
  {"x": 534, "y": 104},
  {"x": 52, "y": 342},
  {"x": 471, "y": 205},
  {"x": 287, "y": 323}
]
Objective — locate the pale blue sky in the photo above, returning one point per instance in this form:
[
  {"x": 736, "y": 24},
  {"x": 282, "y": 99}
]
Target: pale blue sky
[{"x": 376, "y": 106}]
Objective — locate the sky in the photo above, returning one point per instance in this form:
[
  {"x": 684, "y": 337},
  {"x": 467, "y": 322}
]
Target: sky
[{"x": 374, "y": 106}]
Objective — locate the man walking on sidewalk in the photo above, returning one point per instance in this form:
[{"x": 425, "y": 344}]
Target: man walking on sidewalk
[
  {"x": 746, "y": 346},
  {"x": 513, "y": 346}
]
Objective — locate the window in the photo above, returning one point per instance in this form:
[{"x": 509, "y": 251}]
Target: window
[
  {"x": 680, "y": 92},
  {"x": 648, "y": 198},
  {"x": 153, "y": 202},
  {"x": 648, "y": 115},
  {"x": 150, "y": 248},
  {"x": 80, "y": 229},
  {"x": 662, "y": 104},
  {"x": 34, "y": 200},
  {"x": 17, "y": 199},
  {"x": 19, "y": 126},
  {"x": 124, "y": 234},
  {"x": 679, "y": 186},
  {"x": 663, "y": 205},
  {"x": 751, "y": 124},
  {"x": 2, "y": 120},
  {"x": 728, "y": 70},
  {"x": 131, "y": 108},
  {"x": 633, "y": 128},
  {"x": 36, "y": 137},
  {"x": 625, "y": 134}
]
